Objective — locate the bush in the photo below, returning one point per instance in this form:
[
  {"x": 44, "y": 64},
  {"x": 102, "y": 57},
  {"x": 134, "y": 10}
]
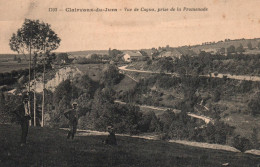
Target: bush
[
  {"x": 111, "y": 76},
  {"x": 216, "y": 96},
  {"x": 149, "y": 62},
  {"x": 254, "y": 105},
  {"x": 217, "y": 133},
  {"x": 241, "y": 143}
]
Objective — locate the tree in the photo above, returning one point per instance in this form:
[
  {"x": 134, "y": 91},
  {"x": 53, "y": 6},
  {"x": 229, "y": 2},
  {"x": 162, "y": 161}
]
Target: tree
[
  {"x": 113, "y": 53},
  {"x": 111, "y": 75},
  {"x": 258, "y": 45},
  {"x": 48, "y": 42},
  {"x": 166, "y": 65},
  {"x": 254, "y": 138},
  {"x": 231, "y": 49},
  {"x": 254, "y": 105},
  {"x": 240, "y": 49},
  {"x": 249, "y": 45},
  {"x": 222, "y": 50},
  {"x": 241, "y": 143},
  {"x": 25, "y": 41},
  {"x": 166, "y": 120},
  {"x": 216, "y": 96},
  {"x": 62, "y": 58},
  {"x": 95, "y": 57},
  {"x": 62, "y": 97},
  {"x": 36, "y": 37},
  {"x": 15, "y": 58},
  {"x": 19, "y": 60}
]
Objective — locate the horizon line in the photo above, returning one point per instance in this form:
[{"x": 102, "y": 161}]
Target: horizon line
[{"x": 198, "y": 44}]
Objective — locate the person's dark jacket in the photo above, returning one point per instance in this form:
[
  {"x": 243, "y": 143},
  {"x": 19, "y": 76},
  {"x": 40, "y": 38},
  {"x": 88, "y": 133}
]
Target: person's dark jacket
[
  {"x": 20, "y": 113},
  {"x": 111, "y": 139},
  {"x": 71, "y": 115}
]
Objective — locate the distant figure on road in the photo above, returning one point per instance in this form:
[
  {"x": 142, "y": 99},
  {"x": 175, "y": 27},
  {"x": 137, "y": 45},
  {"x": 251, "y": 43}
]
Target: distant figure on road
[
  {"x": 24, "y": 116},
  {"x": 111, "y": 138},
  {"x": 72, "y": 116}
]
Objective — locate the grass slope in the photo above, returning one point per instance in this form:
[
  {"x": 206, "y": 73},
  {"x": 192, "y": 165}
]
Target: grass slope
[
  {"x": 12, "y": 65},
  {"x": 94, "y": 71},
  {"x": 226, "y": 44},
  {"x": 49, "y": 147},
  {"x": 125, "y": 84}
]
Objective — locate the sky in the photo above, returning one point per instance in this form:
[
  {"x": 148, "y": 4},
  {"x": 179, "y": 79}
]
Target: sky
[{"x": 79, "y": 31}]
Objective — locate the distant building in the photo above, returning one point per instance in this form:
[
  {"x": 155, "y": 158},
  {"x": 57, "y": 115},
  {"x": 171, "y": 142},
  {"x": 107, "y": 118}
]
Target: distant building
[
  {"x": 211, "y": 50},
  {"x": 173, "y": 54},
  {"x": 186, "y": 51},
  {"x": 127, "y": 57},
  {"x": 130, "y": 56},
  {"x": 149, "y": 52}
]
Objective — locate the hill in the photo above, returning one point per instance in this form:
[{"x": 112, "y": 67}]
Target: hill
[
  {"x": 225, "y": 44},
  {"x": 86, "y": 52},
  {"x": 89, "y": 52},
  {"x": 49, "y": 147},
  {"x": 167, "y": 91}
]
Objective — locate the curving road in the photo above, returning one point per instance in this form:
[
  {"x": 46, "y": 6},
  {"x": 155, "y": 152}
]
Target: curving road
[
  {"x": 236, "y": 77},
  {"x": 202, "y": 117}
]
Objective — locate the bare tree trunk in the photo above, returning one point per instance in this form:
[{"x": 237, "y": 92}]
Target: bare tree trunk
[
  {"x": 43, "y": 93},
  {"x": 29, "y": 85},
  {"x": 34, "y": 99}
]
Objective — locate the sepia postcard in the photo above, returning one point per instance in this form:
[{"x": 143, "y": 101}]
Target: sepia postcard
[{"x": 120, "y": 83}]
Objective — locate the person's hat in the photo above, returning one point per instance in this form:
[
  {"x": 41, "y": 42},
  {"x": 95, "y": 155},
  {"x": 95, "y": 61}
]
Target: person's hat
[
  {"x": 109, "y": 128},
  {"x": 74, "y": 104}
]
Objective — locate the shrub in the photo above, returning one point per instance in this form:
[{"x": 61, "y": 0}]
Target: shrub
[
  {"x": 216, "y": 96},
  {"x": 254, "y": 105},
  {"x": 149, "y": 62},
  {"x": 111, "y": 76},
  {"x": 241, "y": 143}
]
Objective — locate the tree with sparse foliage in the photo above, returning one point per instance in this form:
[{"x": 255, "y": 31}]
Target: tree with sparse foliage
[
  {"x": 26, "y": 40},
  {"x": 34, "y": 37}
]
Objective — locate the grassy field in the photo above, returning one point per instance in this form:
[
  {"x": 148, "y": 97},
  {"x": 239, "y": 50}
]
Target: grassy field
[
  {"x": 7, "y": 64},
  {"x": 94, "y": 71},
  {"x": 49, "y": 147},
  {"x": 125, "y": 84},
  {"x": 12, "y": 65}
]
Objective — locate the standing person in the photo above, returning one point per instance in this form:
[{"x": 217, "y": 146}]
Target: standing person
[
  {"x": 24, "y": 116},
  {"x": 111, "y": 138},
  {"x": 72, "y": 116}
]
